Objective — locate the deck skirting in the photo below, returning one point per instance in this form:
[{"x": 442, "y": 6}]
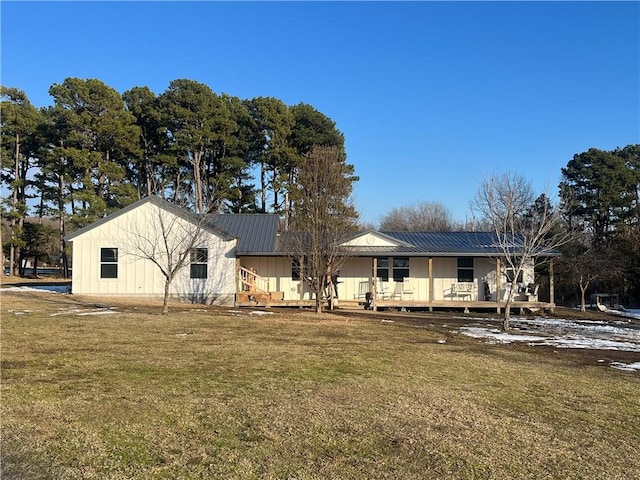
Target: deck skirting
[{"x": 405, "y": 304}]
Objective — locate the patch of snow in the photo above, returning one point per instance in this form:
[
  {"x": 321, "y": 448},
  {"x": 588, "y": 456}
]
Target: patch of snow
[
  {"x": 259, "y": 312},
  {"x": 563, "y": 334},
  {"x": 590, "y": 343},
  {"x": 25, "y": 289},
  {"x": 627, "y": 313},
  {"x": 97, "y": 312},
  {"x": 39, "y": 288},
  {"x": 496, "y": 336},
  {"x": 71, "y": 311},
  {"x": 627, "y": 367}
]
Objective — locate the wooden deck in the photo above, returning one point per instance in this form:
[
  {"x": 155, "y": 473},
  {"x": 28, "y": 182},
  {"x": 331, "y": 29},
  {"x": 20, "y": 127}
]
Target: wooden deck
[{"x": 265, "y": 302}]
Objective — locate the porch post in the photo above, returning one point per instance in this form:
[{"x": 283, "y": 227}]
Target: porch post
[
  {"x": 552, "y": 296},
  {"x": 374, "y": 285},
  {"x": 238, "y": 282},
  {"x": 430, "y": 284},
  {"x": 498, "y": 277},
  {"x": 302, "y": 282}
]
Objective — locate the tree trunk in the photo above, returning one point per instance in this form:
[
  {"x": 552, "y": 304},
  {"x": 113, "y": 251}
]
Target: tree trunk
[
  {"x": 14, "y": 204},
  {"x": 263, "y": 187},
  {"x": 64, "y": 261},
  {"x": 507, "y": 317},
  {"x": 165, "y": 300},
  {"x": 583, "y": 291},
  {"x": 197, "y": 178},
  {"x": 507, "y": 310},
  {"x": 319, "y": 301}
]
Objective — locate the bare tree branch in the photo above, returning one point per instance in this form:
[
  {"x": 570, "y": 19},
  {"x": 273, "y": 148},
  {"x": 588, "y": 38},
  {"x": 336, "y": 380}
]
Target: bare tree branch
[{"x": 527, "y": 229}]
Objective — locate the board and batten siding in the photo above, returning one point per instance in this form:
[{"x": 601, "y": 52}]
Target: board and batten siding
[{"x": 142, "y": 278}]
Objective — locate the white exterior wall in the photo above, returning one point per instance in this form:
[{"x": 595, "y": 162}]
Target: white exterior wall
[
  {"x": 277, "y": 270},
  {"x": 141, "y": 277}
]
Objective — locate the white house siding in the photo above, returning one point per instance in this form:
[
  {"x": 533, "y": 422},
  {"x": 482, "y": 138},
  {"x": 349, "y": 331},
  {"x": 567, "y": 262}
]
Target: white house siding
[
  {"x": 141, "y": 278},
  {"x": 278, "y": 270}
]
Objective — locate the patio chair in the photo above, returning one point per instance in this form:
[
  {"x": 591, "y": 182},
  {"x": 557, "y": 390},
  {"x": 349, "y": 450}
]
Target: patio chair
[{"x": 397, "y": 291}]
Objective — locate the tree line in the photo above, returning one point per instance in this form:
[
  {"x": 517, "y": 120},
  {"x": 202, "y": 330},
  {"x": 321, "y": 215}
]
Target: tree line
[{"x": 96, "y": 150}]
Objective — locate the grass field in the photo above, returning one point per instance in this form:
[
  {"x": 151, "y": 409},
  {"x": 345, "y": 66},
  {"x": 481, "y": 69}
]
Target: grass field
[{"x": 212, "y": 393}]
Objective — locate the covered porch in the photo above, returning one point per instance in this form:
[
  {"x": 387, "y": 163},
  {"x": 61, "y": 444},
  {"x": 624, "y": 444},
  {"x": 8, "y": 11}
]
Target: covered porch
[{"x": 395, "y": 282}]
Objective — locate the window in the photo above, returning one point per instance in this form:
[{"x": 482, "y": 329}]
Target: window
[
  {"x": 400, "y": 268},
  {"x": 199, "y": 259},
  {"x": 295, "y": 269},
  {"x": 383, "y": 269},
  {"x": 465, "y": 269},
  {"x": 108, "y": 263}
]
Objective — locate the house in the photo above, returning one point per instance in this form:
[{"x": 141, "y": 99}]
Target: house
[{"x": 241, "y": 259}]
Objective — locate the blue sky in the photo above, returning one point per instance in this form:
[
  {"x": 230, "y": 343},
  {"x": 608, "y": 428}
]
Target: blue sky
[{"x": 430, "y": 96}]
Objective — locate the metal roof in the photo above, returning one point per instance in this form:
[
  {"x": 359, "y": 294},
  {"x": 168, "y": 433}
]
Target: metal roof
[
  {"x": 455, "y": 244},
  {"x": 458, "y": 243},
  {"x": 256, "y": 232}
]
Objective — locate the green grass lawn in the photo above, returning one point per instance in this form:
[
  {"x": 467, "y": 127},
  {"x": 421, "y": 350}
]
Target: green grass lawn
[{"x": 209, "y": 393}]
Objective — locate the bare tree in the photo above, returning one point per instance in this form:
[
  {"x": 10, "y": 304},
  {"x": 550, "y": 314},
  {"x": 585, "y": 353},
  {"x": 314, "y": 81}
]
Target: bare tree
[
  {"x": 323, "y": 217},
  {"x": 526, "y": 228},
  {"x": 423, "y": 217},
  {"x": 581, "y": 263},
  {"x": 167, "y": 237}
]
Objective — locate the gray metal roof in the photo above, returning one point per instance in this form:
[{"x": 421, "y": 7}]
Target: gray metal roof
[
  {"x": 256, "y": 232},
  {"x": 458, "y": 243},
  {"x": 454, "y": 244}
]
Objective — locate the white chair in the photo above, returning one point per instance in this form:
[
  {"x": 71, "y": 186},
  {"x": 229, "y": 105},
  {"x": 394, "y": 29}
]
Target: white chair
[
  {"x": 532, "y": 292},
  {"x": 397, "y": 291},
  {"x": 363, "y": 288},
  {"x": 463, "y": 290},
  {"x": 382, "y": 292},
  {"x": 407, "y": 286}
]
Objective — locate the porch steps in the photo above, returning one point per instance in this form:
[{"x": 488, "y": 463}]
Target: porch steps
[{"x": 258, "y": 299}]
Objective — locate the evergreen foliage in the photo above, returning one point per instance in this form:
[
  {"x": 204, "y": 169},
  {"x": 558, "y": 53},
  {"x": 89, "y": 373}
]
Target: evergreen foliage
[{"x": 96, "y": 150}]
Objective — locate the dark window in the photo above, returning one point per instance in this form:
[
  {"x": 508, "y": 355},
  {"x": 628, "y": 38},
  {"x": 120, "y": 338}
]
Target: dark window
[
  {"x": 465, "y": 269},
  {"x": 108, "y": 263},
  {"x": 199, "y": 259},
  {"x": 383, "y": 269},
  {"x": 400, "y": 268},
  {"x": 295, "y": 269}
]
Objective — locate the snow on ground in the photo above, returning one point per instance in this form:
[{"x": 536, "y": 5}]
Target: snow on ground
[
  {"x": 628, "y": 313},
  {"x": 627, "y": 367},
  {"x": 26, "y": 289},
  {"x": 562, "y": 333}
]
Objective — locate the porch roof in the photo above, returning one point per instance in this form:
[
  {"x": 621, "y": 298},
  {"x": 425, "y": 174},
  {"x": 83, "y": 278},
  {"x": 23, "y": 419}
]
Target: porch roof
[{"x": 423, "y": 244}]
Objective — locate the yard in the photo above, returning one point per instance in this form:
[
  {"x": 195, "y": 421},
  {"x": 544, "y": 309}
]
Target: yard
[{"x": 120, "y": 392}]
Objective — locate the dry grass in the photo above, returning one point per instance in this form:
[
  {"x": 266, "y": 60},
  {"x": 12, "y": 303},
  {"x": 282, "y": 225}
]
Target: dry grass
[{"x": 210, "y": 393}]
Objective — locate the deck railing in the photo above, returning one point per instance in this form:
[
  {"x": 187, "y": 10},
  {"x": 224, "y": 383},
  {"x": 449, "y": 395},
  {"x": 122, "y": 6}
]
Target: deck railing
[{"x": 250, "y": 281}]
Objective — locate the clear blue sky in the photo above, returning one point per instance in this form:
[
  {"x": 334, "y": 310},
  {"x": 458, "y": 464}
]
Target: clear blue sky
[{"x": 430, "y": 96}]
